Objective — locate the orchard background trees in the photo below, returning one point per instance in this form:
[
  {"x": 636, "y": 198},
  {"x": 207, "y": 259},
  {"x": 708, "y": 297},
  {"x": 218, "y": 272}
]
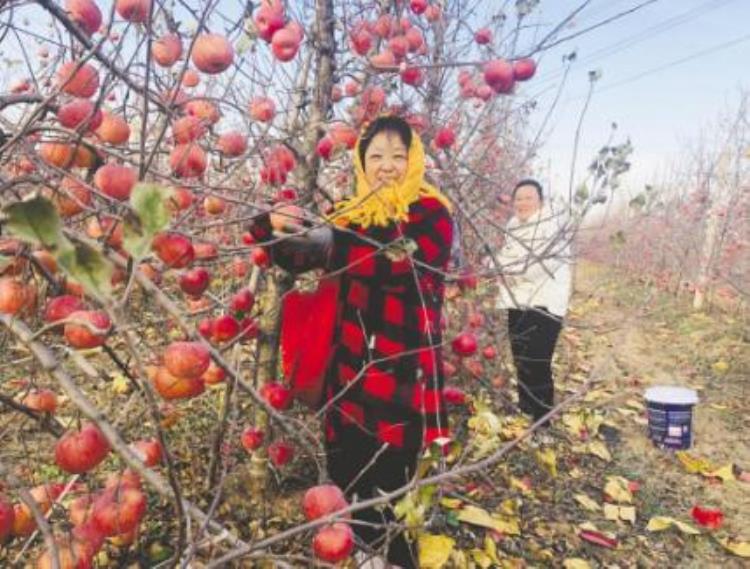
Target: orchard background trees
[{"x": 141, "y": 393}]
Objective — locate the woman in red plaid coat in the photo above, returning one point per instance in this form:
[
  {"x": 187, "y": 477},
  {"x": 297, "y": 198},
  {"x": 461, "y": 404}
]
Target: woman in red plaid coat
[{"x": 390, "y": 244}]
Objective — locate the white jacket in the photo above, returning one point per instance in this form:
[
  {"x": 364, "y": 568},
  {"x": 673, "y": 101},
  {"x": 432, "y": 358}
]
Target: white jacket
[{"x": 536, "y": 256}]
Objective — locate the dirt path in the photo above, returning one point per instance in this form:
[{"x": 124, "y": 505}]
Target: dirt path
[{"x": 634, "y": 338}]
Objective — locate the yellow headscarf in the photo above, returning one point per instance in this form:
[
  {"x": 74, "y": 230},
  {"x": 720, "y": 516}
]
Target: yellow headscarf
[{"x": 390, "y": 203}]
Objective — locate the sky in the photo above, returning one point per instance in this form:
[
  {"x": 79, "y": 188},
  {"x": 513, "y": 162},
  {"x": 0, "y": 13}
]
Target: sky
[
  {"x": 658, "y": 101},
  {"x": 661, "y": 112}
]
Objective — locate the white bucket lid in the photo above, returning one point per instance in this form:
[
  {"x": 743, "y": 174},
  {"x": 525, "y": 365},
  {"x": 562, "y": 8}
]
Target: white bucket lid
[{"x": 672, "y": 394}]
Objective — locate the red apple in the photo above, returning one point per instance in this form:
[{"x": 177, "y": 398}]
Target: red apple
[
  {"x": 116, "y": 180},
  {"x": 188, "y": 160},
  {"x": 195, "y": 281},
  {"x": 214, "y": 205},
  {"x": 174, "y": 249},
  {"x": 80, "y": 451},
  {"x": 524, "y": 69},
  {"x": 127, "y": 478},
  {"x": 334, "y": 543},
  {"x": 249, "y": 329},
  {"x": 445, "y": 137},
  {"x": 136, "y": 11},
  {"x": 151, "y": 452},
  {"x": 276, "y": 395},
  {"x": 41, "y": 400},
  {"x": 262, "y": 109},
  {"x": 6, "y": 518},
  {"x": 418, "y": 6},
  {"x": 232, "y": 144},
  {"x": 433, "y": 13},
  {"x": 187, "y": 129},
  {"x": 464, "y": 345},
  {"x": 167, "y": 50},
  {"x": 214, "y": 374},
  {"x": 361, "y": 40},
  {"x": 412, "y": 76},
  {"x": 78, "y": 80},
  {"x": 285, "y": 44},
  {"x": 259, "y": 256},
  {"x": 171, "y": 387},
  {"x": 415, "y": 39},
  {"x": 80, "y": 112},
  {"x": 324, "y": 148},
  {"x": 203, "y": 109},
  {"x": 81, "y": 336},
  {"x": 252, "y": 438},
  {"x": 399, "y": 47},
  {"x": 212, "y": 53},
  {"x": 242, "y": 301},
  {"x": 454, "y": 396},
  {"x": 269, "y": 18},
  {"x": 16, "y": 297},
  {"x": 186, "y": 360},
  {"x": 225, "y": 328},
  {"x": 44, "y": 495},
  {"x": 280, "y": 453},
  {"x": 489, "y": 353},
  {"x": 483, "y": 36},
  {"x": 85, "y": 13},
  {"x": 60, "y": 307},
  {"x": 206, "y": 251},
  {"x": 323, "y": 500},
  {"x": 206, "y": 328},
  {"x": 119, "y": 511},
  {"x": 499, "y": 75}
]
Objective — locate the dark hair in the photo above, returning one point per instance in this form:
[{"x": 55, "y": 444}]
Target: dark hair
[
  {"x": 384, "y": 124},
  {"x": 529, "y": 182}
]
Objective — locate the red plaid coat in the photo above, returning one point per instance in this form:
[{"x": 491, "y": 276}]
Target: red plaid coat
[{"x": 386, "y": 378}]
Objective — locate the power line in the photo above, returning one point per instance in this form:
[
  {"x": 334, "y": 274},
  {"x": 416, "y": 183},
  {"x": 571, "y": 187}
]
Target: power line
[
  {"x": 676, "y": 62},
  {"x": 654, "y": 30}
]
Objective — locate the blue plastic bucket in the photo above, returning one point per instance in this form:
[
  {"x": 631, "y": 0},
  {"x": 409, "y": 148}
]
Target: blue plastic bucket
[{"x": 670, "y": 416}]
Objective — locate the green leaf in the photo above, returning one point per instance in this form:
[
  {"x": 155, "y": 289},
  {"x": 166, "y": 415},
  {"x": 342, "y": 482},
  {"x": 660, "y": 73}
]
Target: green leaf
[
  {"x": 35, "y": 220},
  {"x": 149, "y": 202},
  {"x": 89, "y": 267}
]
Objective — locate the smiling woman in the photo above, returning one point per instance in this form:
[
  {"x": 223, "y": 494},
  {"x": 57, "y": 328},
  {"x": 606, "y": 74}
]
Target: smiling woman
[
  {"x": 537, "y": 279},
  {"x": 383, "y": 394}
]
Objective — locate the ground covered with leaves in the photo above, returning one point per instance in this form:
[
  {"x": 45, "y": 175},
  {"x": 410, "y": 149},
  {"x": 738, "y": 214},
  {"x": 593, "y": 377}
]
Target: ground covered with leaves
[
  {"x": 594, "y": 492},
  {"x": 598, "y": 493}
]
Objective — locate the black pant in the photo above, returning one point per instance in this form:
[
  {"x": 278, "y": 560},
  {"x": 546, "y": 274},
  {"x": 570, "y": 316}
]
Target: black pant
[
  {"x": 533, "y": 335},
  {"x": 347, "y": 459}
]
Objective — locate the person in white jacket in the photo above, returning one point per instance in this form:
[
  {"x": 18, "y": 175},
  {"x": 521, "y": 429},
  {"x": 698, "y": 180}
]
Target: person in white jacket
[{"x": 535, "y": 265}]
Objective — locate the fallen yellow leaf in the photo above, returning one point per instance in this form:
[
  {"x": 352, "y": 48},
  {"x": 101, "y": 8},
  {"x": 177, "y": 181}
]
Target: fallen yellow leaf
[
  {"x": 726, "y": 473},
  {"x": 693, "y": 464},
  {"x": 491, "y": 549},
  {"x": 615, "y": 513},
  {"x": 521, "y": 485},
  {"x": 547, "y": 459},
  {"x": 450, "y": 503},
  {"x": 482, "y": 518},
  {"x": 434, "y": 550},
  {"x": 576, "y": 563},
  {"x": 120, "y": 384},
  {"x": 660, "y": 523},
  {"x": 617, "y": 489},
  {"x": 612, "y": 512},
  {"x": 598, "y": 448},
  {"x": 739, "y": 548},
  {"x": 588, "y": 503},
  {"x": 481, "y": 558},
  {"x": 721, "y": 366},
  {"x": 627, "y": 514}
]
